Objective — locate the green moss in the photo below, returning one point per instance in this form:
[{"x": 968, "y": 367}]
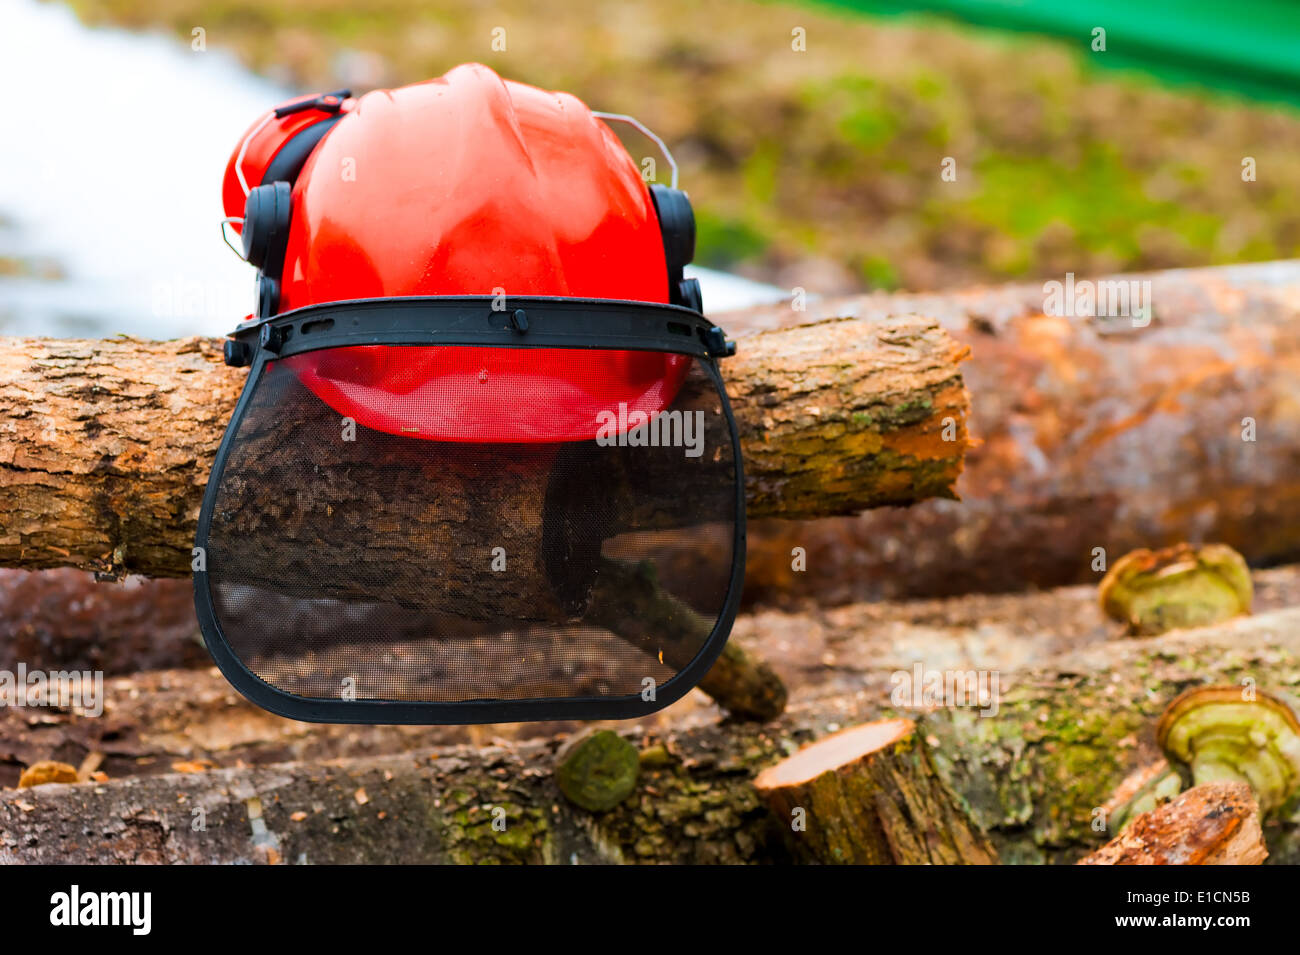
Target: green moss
[
  {"x": 879, "y": 273},
  {"x": 655, "y": 756},
  {"x": 599, "y": 771},
  {"x": 721, "y": 242},
  {"x": 1098, "y": 202},
  {"x": 482, "y": 827}
]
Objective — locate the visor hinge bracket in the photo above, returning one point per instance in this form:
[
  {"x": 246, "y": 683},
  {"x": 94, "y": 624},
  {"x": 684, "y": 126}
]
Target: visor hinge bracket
[
  {"x": 237, "y": 354},
  {"x": 271, "y": 337},
  {"x": 715, "y": 340}
]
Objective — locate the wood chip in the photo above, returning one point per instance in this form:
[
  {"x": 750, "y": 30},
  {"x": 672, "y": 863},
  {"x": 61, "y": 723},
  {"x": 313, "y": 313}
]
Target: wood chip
[{"x": 1210, "y": 824}]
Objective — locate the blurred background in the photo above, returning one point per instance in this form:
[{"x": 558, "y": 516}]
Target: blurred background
[{"x": 810, "y": 136}]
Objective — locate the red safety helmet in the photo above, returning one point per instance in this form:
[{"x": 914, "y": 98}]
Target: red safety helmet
[{"x": 463, "y": 185}]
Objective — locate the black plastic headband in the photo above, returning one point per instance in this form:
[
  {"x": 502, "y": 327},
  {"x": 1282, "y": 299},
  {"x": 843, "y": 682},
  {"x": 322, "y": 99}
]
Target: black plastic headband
[{"x": 482, "y": 320}]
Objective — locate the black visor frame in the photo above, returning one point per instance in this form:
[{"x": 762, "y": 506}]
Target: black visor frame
[{"x": 496, "y": 321}]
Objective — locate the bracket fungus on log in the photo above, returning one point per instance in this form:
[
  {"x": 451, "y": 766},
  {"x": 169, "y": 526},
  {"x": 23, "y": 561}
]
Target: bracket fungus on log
[
  {"x": 47, "y": 771},
  {"x": 1214, "y": 733},
  {"x": 1176, "y": 587}
]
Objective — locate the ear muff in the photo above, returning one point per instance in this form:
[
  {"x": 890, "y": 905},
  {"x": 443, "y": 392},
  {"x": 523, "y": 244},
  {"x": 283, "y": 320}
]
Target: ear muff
[
  {"x": 265, "y": 236},
  {"x": 267, "y": 209},
  {"x": 677, "y": 227},
  {"x": 266, "y": 225}
]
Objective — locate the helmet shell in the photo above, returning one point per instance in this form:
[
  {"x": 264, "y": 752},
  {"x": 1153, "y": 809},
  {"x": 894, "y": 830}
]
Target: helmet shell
[
  {"x": 465, "y": 185},
  {"x": 468, "y": 184}
]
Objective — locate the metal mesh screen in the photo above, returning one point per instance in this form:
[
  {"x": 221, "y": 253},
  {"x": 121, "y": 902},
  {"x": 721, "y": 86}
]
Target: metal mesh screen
[{"x": 351, "y": 556}]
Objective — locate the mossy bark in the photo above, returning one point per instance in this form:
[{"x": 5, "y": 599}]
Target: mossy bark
[{"x": 597, "y": 771}]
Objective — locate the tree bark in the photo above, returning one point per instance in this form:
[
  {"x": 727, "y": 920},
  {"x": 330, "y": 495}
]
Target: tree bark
[
  {"x": 1210, "y": 824},
  {"x": 105, "y": 446},
  {"x": 870, "y": 796},
  {"x": 1090, "y": 433},
  {"x": 1064, "y": 736}
]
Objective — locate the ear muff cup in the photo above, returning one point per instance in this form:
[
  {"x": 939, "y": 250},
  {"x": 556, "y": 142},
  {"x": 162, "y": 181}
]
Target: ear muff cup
[
  {"x": 676, "y": 223},
  {"x": 677, "y": 227},
  {"x": 266, "y": 235},
  {"x": 266, "y": 226}
]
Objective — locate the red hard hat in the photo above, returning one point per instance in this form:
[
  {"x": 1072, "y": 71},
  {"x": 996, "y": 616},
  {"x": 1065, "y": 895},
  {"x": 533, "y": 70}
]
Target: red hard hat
[{"x": 467, "y": 184}]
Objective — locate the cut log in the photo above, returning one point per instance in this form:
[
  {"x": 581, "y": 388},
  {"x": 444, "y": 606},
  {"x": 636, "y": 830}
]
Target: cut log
[
  {"x": 1210, "y": 824},
  {"x": 105, "y": 445},
  {"x": 1092, "y": 433},
  {"x": 869, "y": 795},
  {"x": 1064, "y": 737}
]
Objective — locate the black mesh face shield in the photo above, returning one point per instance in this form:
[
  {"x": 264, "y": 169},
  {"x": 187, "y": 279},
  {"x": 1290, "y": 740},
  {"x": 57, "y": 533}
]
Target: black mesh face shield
[{"x": 431, "y": 510}]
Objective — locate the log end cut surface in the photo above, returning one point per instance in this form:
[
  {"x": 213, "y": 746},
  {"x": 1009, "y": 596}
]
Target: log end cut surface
[{"x": 832, "y": 752}]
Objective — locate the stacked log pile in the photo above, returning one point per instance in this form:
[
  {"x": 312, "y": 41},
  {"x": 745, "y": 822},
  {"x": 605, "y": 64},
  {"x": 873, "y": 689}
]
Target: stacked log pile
[
  {"x": 103, "y": 453},
  {"x": 1032, "y": 776}
]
